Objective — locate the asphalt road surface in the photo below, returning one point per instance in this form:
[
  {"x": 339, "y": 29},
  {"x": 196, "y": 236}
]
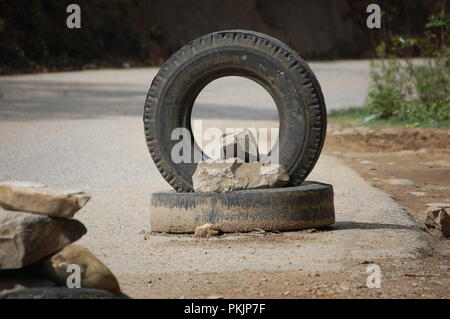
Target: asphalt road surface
[{"x": 84, "y": 130}]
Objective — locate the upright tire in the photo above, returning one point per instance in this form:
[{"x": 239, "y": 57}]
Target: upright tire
[{"x": 271, "y": 63}]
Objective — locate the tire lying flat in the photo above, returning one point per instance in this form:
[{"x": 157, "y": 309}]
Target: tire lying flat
[
  {"x": 61, "y": 293},
  {"x": 279, "y": 69},
  {"x": 290, "y": 208}
]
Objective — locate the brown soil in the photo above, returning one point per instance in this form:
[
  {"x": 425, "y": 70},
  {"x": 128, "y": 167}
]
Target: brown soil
[
  {"x": 425, "y": 277},
  {"x": 419, "y": 155}
]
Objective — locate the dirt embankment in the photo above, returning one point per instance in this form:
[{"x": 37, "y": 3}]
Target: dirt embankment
[
  {"x": 389, "y": 139},
  {"x": 34, "y": 37},
  {"x": 411, "y": 164}
]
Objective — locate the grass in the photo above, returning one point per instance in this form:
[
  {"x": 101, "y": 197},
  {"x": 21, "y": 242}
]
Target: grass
[
  {"x": 355, "y": 116},
  {"x": 406, "y": 93}
]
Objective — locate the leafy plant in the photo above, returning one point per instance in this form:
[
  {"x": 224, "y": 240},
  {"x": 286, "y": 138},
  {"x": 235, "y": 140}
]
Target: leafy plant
[{"x": 407, "y": 89}]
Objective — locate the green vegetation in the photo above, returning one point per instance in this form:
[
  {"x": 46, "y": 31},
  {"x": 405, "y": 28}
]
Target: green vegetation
[
  {"x": 412, "y": 91},
  {"x": 34, "y": 36},
  {"x": 118, "y": 33}
]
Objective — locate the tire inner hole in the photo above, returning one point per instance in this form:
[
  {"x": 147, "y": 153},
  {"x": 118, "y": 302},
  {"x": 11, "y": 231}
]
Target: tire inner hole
[{"x": 234, "y": 102}]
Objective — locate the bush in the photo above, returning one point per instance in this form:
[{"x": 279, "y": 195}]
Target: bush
[{"x": 413, "y": 90}]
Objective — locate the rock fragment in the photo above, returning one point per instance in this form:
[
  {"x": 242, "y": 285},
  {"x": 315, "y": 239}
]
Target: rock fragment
[
  {"x": 94, "y": 274},
  {"x": 207, "y": 230},
  {"x": 232, "y": 176},
  {"x": 40, "y": 199},
  {"x": 26, "y": 238},
  {"x": 399, "y": 181},
  {"x": 438, "y": 219}
]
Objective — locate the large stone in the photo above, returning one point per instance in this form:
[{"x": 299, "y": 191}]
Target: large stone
[
  {"x": 438, "y": 219},
  {"x": 40, "y": 199},
  {"x": 93, "y": 273},
  {"x": 26, "y": 238},
  {"x": 240, "y": 144},
  {"x": 226, "y": 177}
]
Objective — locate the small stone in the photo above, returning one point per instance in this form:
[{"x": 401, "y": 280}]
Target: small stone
[
  {"x": 422, "y": 151},
  {"x": 366, "y": 162},
  {"x": 439, "y": 205},
  {"x": 215, "y": 297},
  {"x": 232, "y": 176},
  {"x": 417, "y": 194},
  {"x": 286, "y": 293},
  {"x": 336, "y": 133},
  {"x": 259, "y": 231},
  {"x": 239, "y": 144},
  {"x": 94, "y": 274},
  {"x": 438, "y": 219},
  {"x": 26, "y": 238},
  {"x": 207, "y": 230},
  {"x": 39, "y": 199},
  {"x": 399, "y": 181}
]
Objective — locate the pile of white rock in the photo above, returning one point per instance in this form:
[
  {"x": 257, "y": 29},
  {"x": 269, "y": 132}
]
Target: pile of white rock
[
  {"x": 239, "y": 167},
  {"x": 36, "y": 233}
]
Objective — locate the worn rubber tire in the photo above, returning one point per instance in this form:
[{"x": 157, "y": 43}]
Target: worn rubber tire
[
  {"x": 288, "y": 208},
  {"x": 61, "y": 293},
  {"x": 279, "y": 69}
]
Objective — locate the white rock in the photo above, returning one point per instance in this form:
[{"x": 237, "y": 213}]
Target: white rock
[
  {"x": 422, "y": 151},
  {"x": 438, "y": 219},
  {"x": 440, "y": 205},
  {"x": 94, "y": 274},
  {"x": 226, "y": 177},
  {"x": 207, "y": 230},
  {"x": 418, "y": 194},
  {"x": 26, "y": 238},
  {"x": 40, "y": 199},
  {"x": 399, "y": 181}
]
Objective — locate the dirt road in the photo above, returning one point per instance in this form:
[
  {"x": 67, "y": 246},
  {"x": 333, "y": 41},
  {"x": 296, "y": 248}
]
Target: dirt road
[{"x": 84, "y": 130}]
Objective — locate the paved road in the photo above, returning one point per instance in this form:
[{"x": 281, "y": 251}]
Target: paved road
[{"x": 84, "y": 130}]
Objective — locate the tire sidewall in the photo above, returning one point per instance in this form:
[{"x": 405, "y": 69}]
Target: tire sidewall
[{"x": 276, "y": 67}]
